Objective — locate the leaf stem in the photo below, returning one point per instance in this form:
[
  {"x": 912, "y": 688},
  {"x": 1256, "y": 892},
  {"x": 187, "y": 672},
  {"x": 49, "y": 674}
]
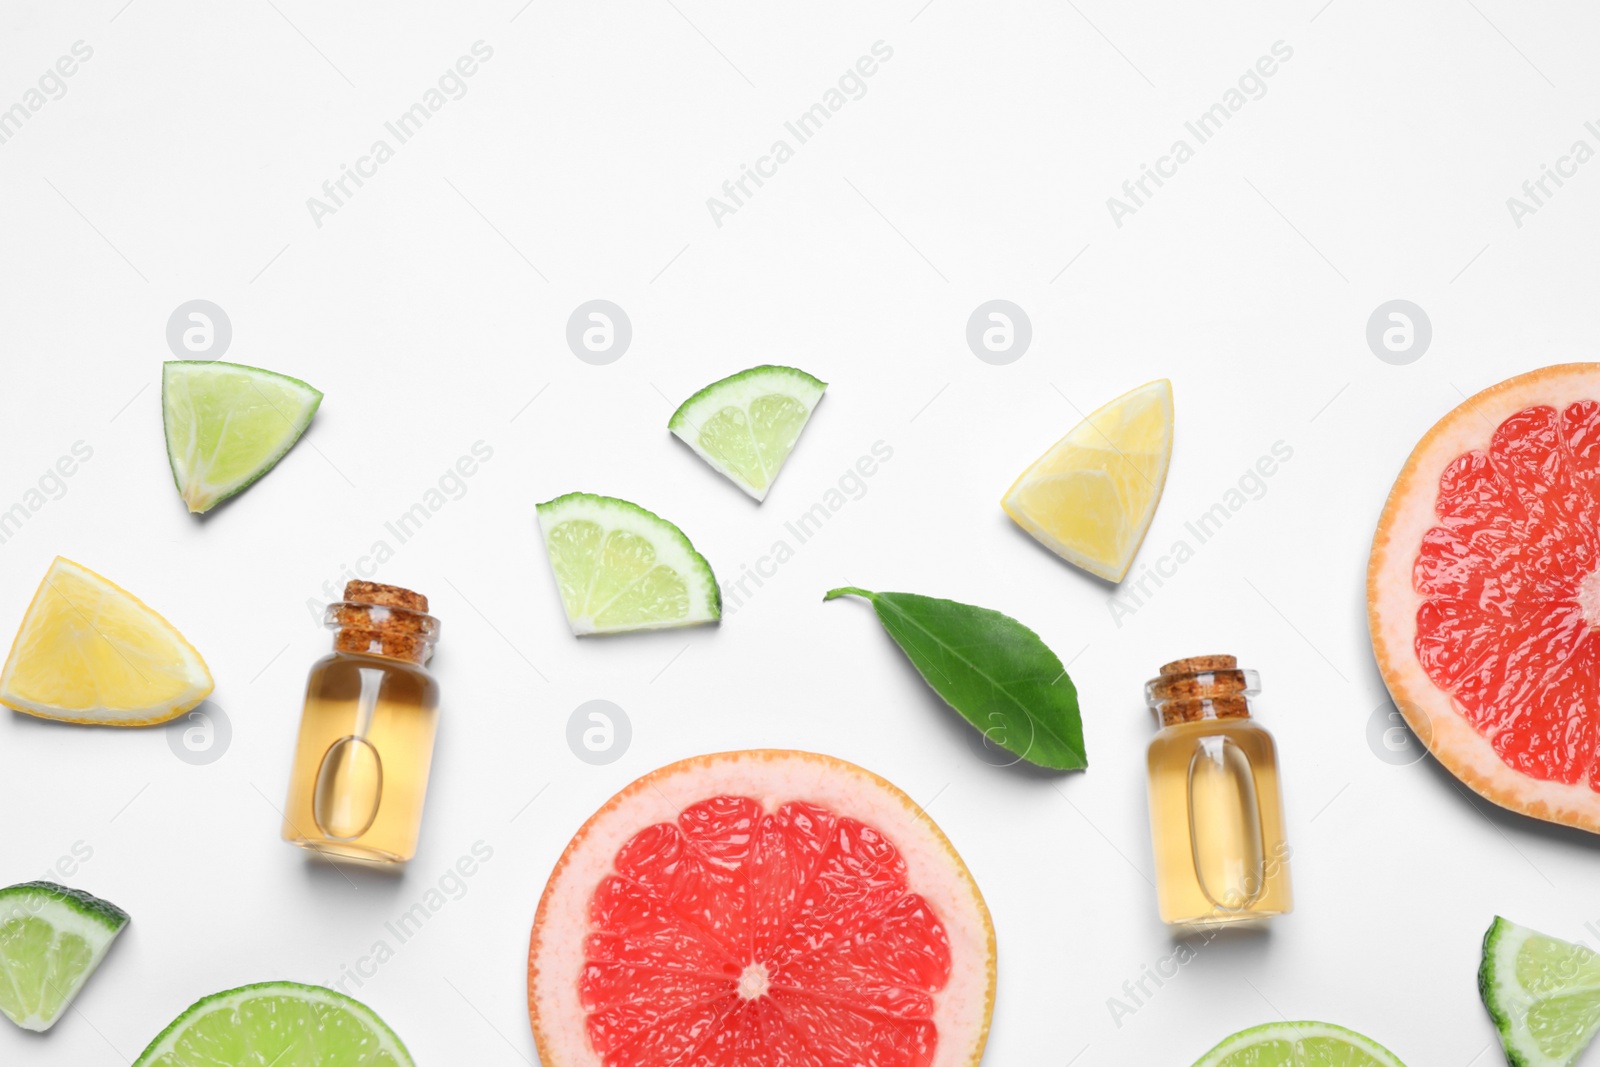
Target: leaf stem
[{"x": 849, "y": 590}]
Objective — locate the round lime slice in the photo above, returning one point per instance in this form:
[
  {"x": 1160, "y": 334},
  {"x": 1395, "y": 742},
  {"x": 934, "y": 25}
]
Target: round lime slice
[
  {"x": 227, "y": 425},
  {"x": 1543, "y": 994},
  {"x": 620, "y": 567},
  {"x": 51, "y": 940},
  {"x": 284, "y": 1024},
  {"x": 1296, "y": 1045},
  {"x": 746, "y": 424}
]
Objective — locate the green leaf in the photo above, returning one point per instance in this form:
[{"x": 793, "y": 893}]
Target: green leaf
[{"x": 990, "y": 668}]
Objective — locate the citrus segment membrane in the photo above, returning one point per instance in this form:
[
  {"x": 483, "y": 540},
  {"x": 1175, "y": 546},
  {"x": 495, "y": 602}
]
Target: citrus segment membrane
[
  {"x": 792, "y": 932},
  {"x": 227, "y": 425},
  {"x": 51, "y": 940},
  {"x": 1299, "y": 1044},
  {"x": 283, "y": 1024},
  {"x": 747, "y": 424},
  {"x": 89, "y": 651},
  {"x": 1090, "y": 498},
  {"x": 1483, "y": 594},
  {"x": 796, "y": 910},
  {"x": 1543, "y": 994},
  {"x": 1510, "y": 590},
  {"x": 619, "y": 567}
]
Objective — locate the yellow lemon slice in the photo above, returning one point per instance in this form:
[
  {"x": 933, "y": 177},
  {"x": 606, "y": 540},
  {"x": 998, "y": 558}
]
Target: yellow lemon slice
[
  {"x": 90, "y": 651},
  {"x": 1091, "y": 497}
]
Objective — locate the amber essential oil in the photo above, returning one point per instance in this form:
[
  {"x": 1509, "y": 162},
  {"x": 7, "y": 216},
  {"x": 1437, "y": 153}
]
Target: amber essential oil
[
  {"x": 1216, "y": 811},
  {"x": 366, "y": 735}
]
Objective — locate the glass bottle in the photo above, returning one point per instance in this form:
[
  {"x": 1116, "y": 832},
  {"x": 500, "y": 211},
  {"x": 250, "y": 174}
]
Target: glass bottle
[
  {"x": 1216, "y": 811},
  {"x": 366, "y": 735}
]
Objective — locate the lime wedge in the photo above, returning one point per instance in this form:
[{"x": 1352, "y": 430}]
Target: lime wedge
[
  {"x": 283, "y": 1024},
  {"x": 746, "y": 424},
  {"x": 51, "y": 940},
  {"x": 1543, "y": 994},
  {"x": 1298, "y": 1045},
  {"x": 228, "y": 425},
  {"x": 620, "y": 567}
]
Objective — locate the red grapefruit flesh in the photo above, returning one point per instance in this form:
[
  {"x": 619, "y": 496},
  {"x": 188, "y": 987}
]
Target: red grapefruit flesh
[
  {"x": 761, "y": 909},
  {"x": 1483, "y": 593}
]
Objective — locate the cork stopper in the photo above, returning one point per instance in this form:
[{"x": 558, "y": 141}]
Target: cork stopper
[
  {"x": 1189, "y": 665},
  {"x": 1202, "y": 687},
  {"x": 389, "y": 596},
  {"x": 383, "y": 620}
]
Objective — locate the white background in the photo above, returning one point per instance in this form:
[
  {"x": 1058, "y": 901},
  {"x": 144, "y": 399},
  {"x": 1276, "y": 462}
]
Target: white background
[{"x": 431, "y": 309}]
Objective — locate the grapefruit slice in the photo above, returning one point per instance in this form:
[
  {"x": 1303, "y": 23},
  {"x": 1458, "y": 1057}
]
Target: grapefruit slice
[
  {"x": 1483, "y": 593},
  {"x": 761, "y": 909}
]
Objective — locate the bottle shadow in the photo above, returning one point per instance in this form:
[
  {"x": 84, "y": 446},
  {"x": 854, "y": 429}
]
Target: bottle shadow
[
  {"x": 1246, "y": 941},
  {"x": 1506, "y": 821},
  {"x": 326, "y": 874},
  {"x": 1104, "y": 586},
  {"x": 1503, "y": 820}
]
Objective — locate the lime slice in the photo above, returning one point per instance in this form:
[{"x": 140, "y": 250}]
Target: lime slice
[
  {"x": 51, "y": 940},
  {"x": 620, "y": 567},
  {"x": 1091, "y": 497},
  {"x": 1298, "y": 1045},
  {"x": 228, "y": 425},
  {"x": 283, "y": 1024},
  {"x": 1543, "y": 994},
  {"x": 746, "y": 425}
]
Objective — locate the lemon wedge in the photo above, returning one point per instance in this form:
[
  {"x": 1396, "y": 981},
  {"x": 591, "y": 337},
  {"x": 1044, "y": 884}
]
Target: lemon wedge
[
  {"x": 90, "y": 651},
  {"x": 1091, "y": 497}
]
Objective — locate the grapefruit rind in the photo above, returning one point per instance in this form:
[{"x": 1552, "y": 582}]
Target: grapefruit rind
[
  {"x": 1392, "y": 599},
  {"x": 934, "y": 870}
]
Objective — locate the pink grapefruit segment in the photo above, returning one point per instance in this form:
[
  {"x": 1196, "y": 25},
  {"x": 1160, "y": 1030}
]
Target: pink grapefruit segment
[
  {"x": 1484, "y": 593},
  {"x": 800, "y": 913}
]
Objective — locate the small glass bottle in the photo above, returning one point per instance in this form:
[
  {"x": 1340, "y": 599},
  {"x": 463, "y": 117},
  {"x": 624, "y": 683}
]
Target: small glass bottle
[
  {"x": 366, "y": 735},
  {"x": 1216, "y": 812}
]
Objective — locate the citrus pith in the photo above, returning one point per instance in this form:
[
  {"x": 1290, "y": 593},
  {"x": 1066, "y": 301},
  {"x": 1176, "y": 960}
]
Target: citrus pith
[{"x": 764, "y": 900}]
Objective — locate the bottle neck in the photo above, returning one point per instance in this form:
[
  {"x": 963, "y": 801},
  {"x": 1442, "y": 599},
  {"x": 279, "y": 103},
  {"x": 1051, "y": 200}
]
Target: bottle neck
[
  {"x": 381, "y": 620},
  {"x": 1202, "y": 688}
]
